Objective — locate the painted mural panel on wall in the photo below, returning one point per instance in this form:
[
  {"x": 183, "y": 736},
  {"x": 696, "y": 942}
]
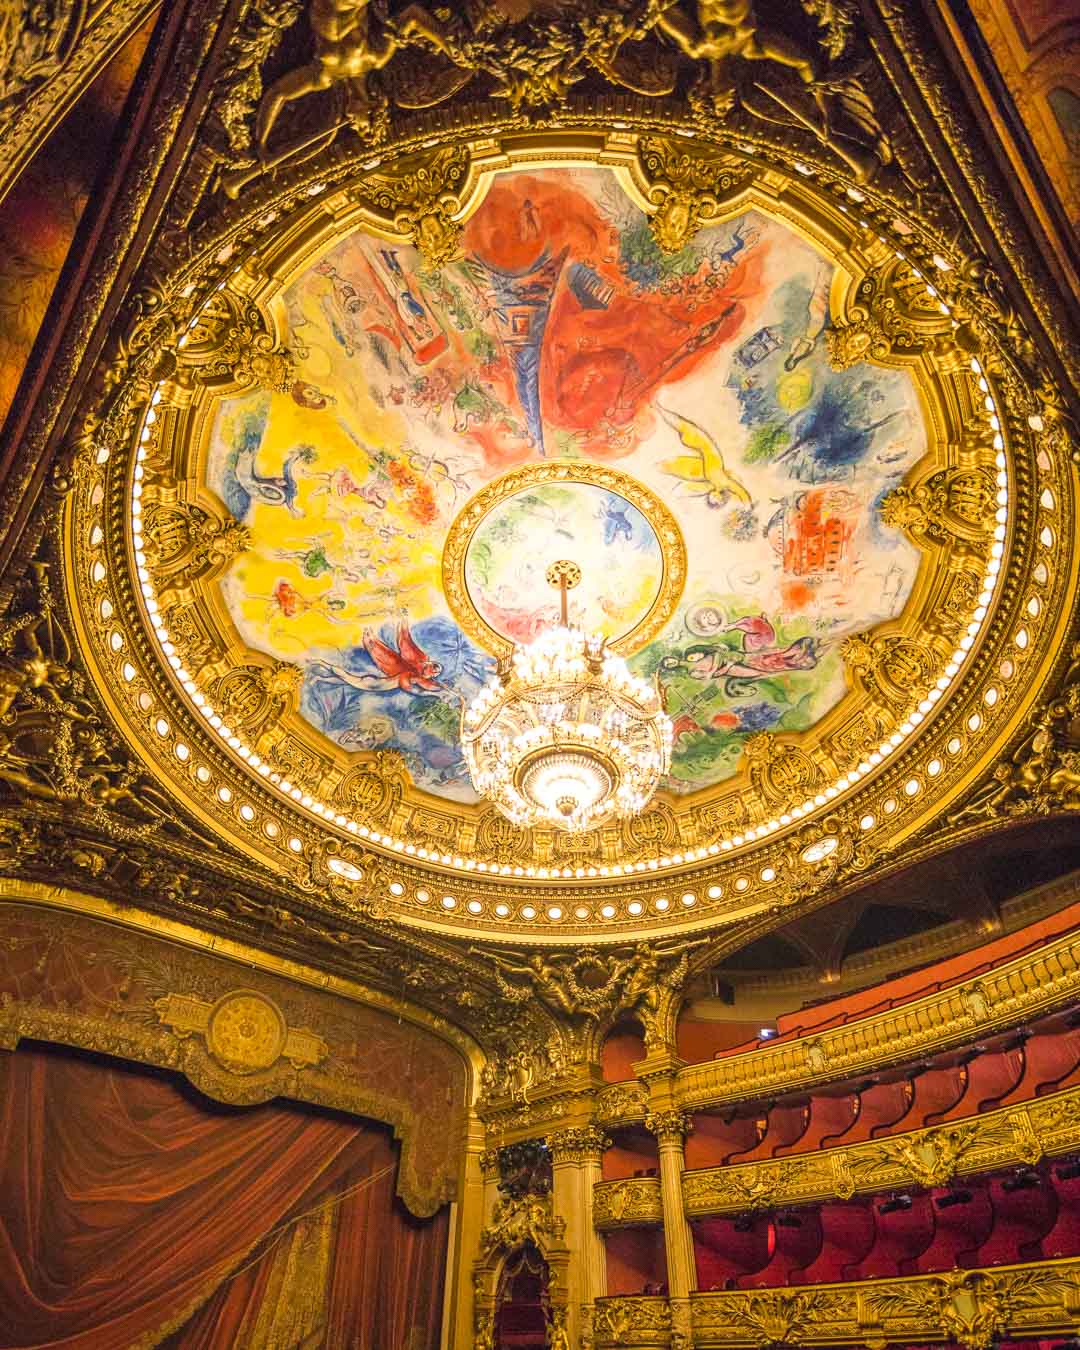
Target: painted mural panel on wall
[{"x": 563, "y": 333}]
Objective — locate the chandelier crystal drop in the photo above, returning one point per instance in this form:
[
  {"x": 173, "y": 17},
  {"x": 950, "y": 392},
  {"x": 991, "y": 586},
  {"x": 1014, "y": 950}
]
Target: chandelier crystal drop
[{"x": 564, "y": 735}]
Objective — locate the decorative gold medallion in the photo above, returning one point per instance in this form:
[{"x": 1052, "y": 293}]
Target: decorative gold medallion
[{"x": 245, "y": 1032}]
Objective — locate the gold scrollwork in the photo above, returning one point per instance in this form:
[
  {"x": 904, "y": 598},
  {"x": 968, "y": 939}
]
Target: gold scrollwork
[
  {"x": 630, "y": 1203},
  {"x": 970, "y": 1307}
]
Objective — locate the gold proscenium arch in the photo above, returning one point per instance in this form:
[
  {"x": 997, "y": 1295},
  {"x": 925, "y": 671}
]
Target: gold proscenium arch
[{"x": 722, "y": 854}]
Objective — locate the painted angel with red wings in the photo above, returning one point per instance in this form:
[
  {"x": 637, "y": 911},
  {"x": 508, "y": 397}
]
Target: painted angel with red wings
[{"x": 413, "y": 670}]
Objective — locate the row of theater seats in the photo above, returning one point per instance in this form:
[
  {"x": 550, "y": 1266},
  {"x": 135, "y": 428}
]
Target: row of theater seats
[
  {"x": 815, "y": 1018},
  {"x": 1028, "y": 1214},
  {"x": 1054, "y": 1343},
  {"x": 1043, "y": 1058}
]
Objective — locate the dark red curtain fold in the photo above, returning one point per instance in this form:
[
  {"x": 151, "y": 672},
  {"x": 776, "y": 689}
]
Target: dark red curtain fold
[{"x": 128, "y": 1204}]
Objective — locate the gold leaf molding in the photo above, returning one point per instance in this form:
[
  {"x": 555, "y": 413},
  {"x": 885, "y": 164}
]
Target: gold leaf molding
[{"x": 966, "y": 1307}]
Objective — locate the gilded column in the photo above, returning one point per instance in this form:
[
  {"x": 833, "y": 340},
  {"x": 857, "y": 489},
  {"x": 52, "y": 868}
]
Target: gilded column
[
  {"x": 575, "y": 1167},
  {"x": 671, "y": 1126}
]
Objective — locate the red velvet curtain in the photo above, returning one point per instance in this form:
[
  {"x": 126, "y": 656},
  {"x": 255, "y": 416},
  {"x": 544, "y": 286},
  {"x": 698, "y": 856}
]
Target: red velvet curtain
[{"x": 130, "y": 1207}]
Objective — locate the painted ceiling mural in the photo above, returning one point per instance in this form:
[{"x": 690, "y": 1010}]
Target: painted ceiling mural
[{"x": 563, "y": 334}]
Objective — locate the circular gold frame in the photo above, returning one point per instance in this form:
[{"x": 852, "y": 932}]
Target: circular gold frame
[{"x": 481, "y": 504}]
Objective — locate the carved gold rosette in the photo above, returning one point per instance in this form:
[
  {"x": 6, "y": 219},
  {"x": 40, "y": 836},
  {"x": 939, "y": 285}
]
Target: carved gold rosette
[{"x": 933, "y": 694}]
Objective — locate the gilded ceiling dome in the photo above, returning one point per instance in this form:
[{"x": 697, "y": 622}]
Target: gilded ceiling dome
[
  {"x": 752, "y": 398},
  {"x": 539, "y": 652}
]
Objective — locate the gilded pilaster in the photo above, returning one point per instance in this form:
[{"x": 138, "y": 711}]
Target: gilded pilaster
[
  {"x": 671, "y": 1126},
  {"x": 575, "y": 1163}
]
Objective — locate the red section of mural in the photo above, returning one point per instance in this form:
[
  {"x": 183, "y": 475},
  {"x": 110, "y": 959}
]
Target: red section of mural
[
  {"x": 40, "y": 214},
  {"x": 605, "y": 350}
]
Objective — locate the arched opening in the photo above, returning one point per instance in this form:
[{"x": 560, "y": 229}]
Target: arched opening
[
  {"x": 623, "y": 1047},
  {"x": 523, "y": 1307}
]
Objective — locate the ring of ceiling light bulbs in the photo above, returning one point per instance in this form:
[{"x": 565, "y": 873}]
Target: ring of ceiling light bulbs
[
  {"x": 220, "y": 729},
  {"x": 537, "y": 900}
]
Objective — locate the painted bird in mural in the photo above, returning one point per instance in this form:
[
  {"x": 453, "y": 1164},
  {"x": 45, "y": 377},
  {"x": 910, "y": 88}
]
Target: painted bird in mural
[
  {"x": 702, "y": 467},
  {"x": 412, "y": 668}
]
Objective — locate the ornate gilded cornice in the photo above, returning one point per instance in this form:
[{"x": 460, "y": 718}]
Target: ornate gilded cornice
[
  {"x": 631, "y": 1203},
  {"x": 969, "y": 1307},
  {"x": 1014, "y": 1135}
]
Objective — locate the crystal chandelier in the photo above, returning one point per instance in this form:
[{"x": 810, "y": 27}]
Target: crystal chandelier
[{"x": 564, "y": 735}]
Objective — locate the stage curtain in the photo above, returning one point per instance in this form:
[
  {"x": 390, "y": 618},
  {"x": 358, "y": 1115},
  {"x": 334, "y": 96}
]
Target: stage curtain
[{"x": 135, "y": 1213}]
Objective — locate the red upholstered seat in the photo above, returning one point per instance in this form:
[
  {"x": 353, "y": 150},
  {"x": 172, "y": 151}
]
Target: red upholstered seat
[
  {"x": 796, "y": 1244},
  {"x": 1064, "y": 1238},
  {"x": 831, "y": 1117},
  {"x": 934, "y": 1091},
  {"x": 786, "y": 1124},
  {"x": 991, "y": 1075},
  {"x": 848, "y": 1231},
  {"x": 900, "y": 1238},
  {"x": 716, "y": 1138},
  {"x": 1050, "y": 1057},
  {"x": 881, "y": 1106},
  {"x": 1022, "y": 1218},
  {"x": 726, "y": 1248},
  {"x": 959, "y": 1231}
]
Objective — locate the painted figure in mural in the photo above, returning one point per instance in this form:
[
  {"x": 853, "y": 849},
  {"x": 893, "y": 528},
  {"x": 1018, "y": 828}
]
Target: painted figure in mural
[
  {"x": 817, "y": 316},
  {"x": 713, "y": 663},
  {"x": 340, "y": 483},
  {"x": 407, "y": 668},
  {"x": 702, "y": 467},
  {"x": 411, "y": 312},
  {"x": 273, "y": 490},
  {"x": 314, "y": 562},
  {"x": 287, "y": 602}
]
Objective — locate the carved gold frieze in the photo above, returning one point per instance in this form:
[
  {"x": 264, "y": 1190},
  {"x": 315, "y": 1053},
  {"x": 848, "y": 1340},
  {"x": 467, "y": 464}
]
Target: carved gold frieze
[
  {"x": 244, "y": 1031},
  {"x": 972, "y": 1308},
  {"x": 1045, "y": 1127},
  {"x": 631, "y": 1203},
  {"x": 632, "y": 1321}
]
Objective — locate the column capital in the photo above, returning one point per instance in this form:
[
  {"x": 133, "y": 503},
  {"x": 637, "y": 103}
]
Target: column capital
[
  {"x": 577, "y": 1143},
  {"x": 671, "y": 1126}
]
